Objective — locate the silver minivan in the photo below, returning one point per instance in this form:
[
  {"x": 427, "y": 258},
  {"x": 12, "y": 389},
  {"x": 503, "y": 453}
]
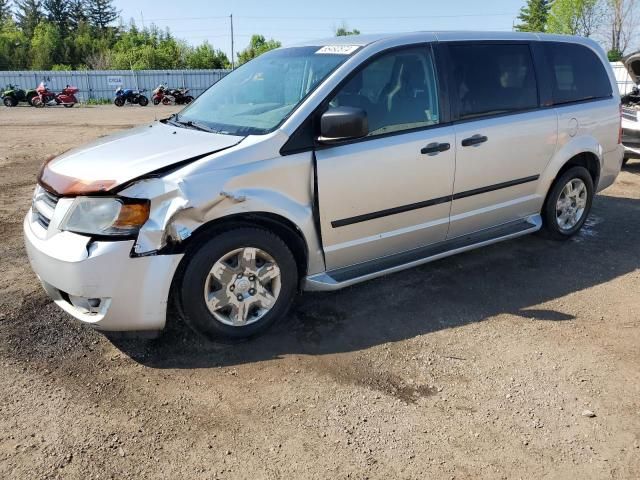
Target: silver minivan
[{"x": 323, "y": 165}]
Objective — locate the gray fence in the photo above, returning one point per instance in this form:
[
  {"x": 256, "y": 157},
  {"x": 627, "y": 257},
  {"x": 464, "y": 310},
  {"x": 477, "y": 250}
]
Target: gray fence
[{"x": 101, "y": 84}]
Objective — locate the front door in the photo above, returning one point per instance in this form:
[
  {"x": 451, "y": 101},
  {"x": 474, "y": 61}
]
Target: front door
[{"x": 391, "y": 191}]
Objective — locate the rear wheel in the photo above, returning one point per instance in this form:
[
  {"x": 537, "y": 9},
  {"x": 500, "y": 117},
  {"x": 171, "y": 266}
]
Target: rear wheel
[
  {"x": 143, "y": 101},
  {"x": 568, "y": 203},
  {"x": 69, "y": 105},
  {"x": 166, "y": 101},
  {"x": 237, "y": 284},
  {"x": 156, "y": 101},
  {"x": 9, "y": 101}
]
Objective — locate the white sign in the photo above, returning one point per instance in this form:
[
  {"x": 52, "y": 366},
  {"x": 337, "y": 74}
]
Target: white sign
[
  {"x": 114, "y": 81},
  {"x": 337, "y": 49}
]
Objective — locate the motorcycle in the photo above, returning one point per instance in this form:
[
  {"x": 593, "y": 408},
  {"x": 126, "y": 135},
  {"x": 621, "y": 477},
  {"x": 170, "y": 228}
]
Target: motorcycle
[
  {"x": 46, "y": 97},
  {"x": 12, "y": 95},
  {"x": 174, "y": 96},
  {"x": 158, "y": 94},
  {"x": 129, "y": 95}
]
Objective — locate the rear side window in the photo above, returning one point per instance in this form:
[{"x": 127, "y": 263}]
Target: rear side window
[
  {"x": 493, "y": 79},
  {"x": 576, "y": 73}
]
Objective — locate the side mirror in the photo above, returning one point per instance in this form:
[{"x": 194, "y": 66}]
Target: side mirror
[{"x": 343, "y": 123}]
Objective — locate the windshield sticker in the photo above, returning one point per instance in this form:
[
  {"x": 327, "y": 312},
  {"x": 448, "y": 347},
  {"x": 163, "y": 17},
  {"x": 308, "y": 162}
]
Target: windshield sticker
[{"x": 337, "y": 50}]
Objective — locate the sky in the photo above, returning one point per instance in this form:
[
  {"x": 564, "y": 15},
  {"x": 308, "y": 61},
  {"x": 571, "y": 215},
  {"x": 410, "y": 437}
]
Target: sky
[{"x": 294, "y": 21}]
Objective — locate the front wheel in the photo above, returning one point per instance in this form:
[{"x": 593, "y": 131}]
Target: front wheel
[
  {"x": 166, "y": 101},
  {"x": 568, "y": 203},
  {"x": 156, "y": 101},
  {"x": 9, "y": 101},
  {"x": 237, "y": 284},
  {"x": 38, "y": 102},
  {"x": 188, "y": 99},
  {"x": 118, "y": 102}
]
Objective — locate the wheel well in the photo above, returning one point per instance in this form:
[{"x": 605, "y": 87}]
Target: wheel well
[
  {"x": 587, "y": 160},
  {"x": 280, "y": 226}
]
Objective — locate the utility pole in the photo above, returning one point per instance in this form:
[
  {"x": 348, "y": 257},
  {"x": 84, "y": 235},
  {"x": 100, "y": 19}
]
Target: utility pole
[{"x": 233, "y": 55}]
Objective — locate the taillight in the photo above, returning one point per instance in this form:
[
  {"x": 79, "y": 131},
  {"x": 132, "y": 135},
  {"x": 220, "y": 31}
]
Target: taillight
[{"x": 620, "y": 129}]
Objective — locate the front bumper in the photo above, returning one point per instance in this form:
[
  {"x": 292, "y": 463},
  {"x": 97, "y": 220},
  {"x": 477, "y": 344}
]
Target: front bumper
[{"x": 98, "y": 282}]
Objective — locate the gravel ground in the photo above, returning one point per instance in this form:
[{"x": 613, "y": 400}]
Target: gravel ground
[{"x": 519, "y": 360}]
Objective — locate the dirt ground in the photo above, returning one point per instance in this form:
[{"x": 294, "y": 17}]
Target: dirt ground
[{"x": 477, "y": 366}]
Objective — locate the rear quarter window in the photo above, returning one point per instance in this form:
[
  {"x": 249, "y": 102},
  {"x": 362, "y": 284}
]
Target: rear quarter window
[{"x": 577, "y": 74}]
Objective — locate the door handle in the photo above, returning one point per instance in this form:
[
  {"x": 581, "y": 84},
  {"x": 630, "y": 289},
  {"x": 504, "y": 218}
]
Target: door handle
[
  {"x": 475, "y": 140},
  {"x": 435, "y": 148}
]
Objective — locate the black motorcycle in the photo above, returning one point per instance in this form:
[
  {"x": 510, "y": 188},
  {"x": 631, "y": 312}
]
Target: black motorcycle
[
  {"x": 178, "y": 96},
  {"x": 128, "y": 95}
]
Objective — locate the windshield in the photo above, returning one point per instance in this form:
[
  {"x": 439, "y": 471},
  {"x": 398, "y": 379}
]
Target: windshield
[{"x": 257, "y": 97}]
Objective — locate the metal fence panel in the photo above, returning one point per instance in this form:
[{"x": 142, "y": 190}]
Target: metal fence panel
[{"x": 101, "y": 84}]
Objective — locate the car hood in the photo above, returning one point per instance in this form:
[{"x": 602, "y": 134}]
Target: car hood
[
  {"x": 632, "y": 64},
  {"x": 116, "y": 159}
]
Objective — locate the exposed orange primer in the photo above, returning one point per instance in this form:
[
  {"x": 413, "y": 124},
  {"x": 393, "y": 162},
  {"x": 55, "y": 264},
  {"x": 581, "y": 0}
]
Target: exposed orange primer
[{"x": 70, "y": 186}]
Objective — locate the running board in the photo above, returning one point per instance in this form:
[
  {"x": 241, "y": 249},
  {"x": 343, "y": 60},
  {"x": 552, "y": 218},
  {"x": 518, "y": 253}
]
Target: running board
[{"x": 344, "y": 277}]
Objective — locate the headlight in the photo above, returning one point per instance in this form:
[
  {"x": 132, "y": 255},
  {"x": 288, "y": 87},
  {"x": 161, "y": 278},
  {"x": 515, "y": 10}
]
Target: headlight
[{"x": 106, "y": 216}]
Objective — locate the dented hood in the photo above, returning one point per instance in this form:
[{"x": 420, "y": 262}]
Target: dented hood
[
  {"x": 119, "y": 158},
  {"x": 632, "y": 63}
]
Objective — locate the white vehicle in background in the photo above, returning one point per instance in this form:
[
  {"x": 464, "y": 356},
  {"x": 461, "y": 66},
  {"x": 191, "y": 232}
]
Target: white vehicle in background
[{"x": 630, "y": 93}]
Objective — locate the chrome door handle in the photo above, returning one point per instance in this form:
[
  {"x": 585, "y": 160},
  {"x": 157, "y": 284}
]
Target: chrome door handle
[
  {"x": 475, "y": 140},
  {"x": 435, "y": 148}
]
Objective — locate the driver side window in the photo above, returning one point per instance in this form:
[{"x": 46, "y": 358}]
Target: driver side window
[{"x": 398, "y": 91}]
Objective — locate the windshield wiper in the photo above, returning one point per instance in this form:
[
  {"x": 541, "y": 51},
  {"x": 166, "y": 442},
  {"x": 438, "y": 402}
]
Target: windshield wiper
[{"x": 175, "y": 121}]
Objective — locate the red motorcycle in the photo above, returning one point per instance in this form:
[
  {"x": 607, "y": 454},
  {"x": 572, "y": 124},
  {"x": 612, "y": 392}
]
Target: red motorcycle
[
  {"x": 46, "y": 97},
  {"x": 159, "y": 95}
]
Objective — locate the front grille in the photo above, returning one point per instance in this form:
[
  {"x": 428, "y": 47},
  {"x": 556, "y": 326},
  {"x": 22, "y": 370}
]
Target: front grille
[{"x": 43, "y": 206}]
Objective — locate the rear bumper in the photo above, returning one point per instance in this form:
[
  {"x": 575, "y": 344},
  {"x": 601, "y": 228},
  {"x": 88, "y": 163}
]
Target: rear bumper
[
  {"x": 99, "y": 283},
  {"x": 611, "y": 165}
]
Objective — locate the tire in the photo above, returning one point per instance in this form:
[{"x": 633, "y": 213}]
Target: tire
[
  {"x": 166, "y": 101},
  {"x": 156, "y": 101},
  {"x": 37, "y": 102},
  {"x": 551, "y": 214},
  {"x": 30, "y": 99},
  {"x": 196, "y": 278},
  {"x": 118, "y": 102},
  {"x": 69, "y": 105},
  {"x": 143, "y": 101},
  {"x": 9, "y": 101},
  {"x": 188, "y": 99}
]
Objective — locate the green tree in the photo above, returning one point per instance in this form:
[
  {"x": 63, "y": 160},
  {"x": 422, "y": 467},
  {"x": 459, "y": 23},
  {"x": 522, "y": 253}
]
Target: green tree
[
  {"x": 533, "y": 16},
  {"x": 58, "y": 13},
  {"x": 257, "y": 46},
  {"x": 614, "y": 55},
  {"x": 204, "y": 56},
  {"x": 575, "y": 17},
  {"x": 344, "y": 31},
  {"x": 14, "y": 47},
  {"x": 101, "y": 13},
  {"x": 46, "y": 46},
  {"x": 5, "y": 10},
  {"x": 28, "y": 15}
]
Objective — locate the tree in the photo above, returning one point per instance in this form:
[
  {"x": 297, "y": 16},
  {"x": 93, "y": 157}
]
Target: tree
[
  {"x": 575, "y": 17},
  {"x": 77, "y": 13},
  {"x": 58, "y": 12},
  {"x": 101, "y": 13},
  {"x": 344, "y": 31},
  {"x": 5, "y": 10},
  {"x": 620, "y": 17},
  {"x": 257, "y": 46},
  {"x": 13, "y": 47},
  {"x": 534, "y": 16},
  {"x": 204, "y": 56},
  {"x": 46, "y": 45},
  {"x": 28, "y": 15}
]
